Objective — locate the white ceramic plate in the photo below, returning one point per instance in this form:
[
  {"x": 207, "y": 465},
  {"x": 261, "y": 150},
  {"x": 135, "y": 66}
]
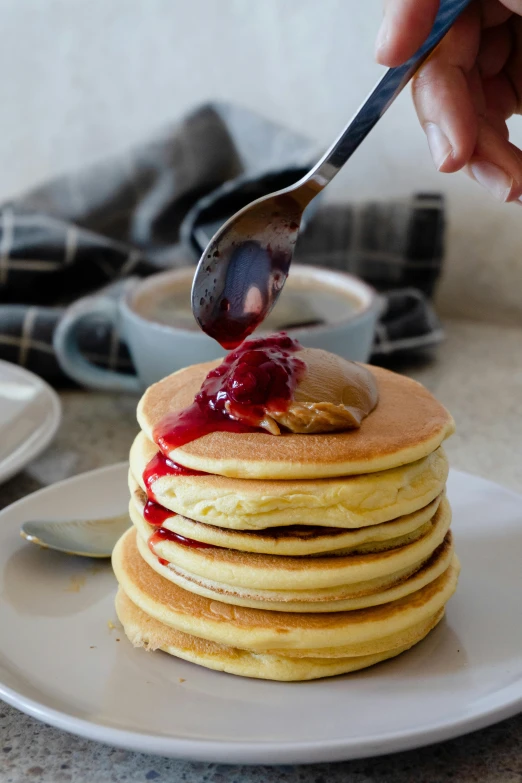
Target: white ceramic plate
[
  {"x": 30, "y": 414},
  {"x": 61, "y": 662}
]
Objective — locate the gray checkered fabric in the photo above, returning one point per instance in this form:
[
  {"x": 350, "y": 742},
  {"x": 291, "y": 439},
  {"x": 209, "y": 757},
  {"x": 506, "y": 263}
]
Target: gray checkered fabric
[{"x": 157, "y": 206}]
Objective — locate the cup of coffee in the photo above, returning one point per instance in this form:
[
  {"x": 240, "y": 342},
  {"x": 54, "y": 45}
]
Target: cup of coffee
[{"x": 319, "y": 307}]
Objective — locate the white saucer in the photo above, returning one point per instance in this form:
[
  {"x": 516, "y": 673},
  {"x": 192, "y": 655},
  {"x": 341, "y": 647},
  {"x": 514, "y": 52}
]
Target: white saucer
[
  {"x": 30, "y": 414},
  {"x": 61, "y": 662}
]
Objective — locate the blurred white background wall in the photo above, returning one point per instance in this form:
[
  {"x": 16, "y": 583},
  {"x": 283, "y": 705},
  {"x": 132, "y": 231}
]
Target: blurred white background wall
[{"x": 82, "y": 79}]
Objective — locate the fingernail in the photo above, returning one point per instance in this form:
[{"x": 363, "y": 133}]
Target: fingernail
[
  {"x": 382, "y": 36},
  {"x": 438, "y": 143},
  {"x": 493, "y": 178}
]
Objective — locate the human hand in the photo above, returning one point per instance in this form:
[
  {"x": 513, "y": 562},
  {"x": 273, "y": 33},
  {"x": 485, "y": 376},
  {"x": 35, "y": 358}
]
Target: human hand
[{"x": 469, "y": 87}]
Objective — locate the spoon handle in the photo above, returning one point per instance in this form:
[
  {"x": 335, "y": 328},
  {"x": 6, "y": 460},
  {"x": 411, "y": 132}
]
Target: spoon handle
[{"x": 379, "y": 100}]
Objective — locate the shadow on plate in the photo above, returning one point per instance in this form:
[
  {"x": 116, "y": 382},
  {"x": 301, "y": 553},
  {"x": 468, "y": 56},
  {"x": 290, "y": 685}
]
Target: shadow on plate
[{"x": 41, "y": 582}]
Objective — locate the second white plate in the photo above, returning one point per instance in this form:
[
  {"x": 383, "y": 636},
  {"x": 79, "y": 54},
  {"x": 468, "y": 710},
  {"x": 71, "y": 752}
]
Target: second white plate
[
  {"x": 62, "y": 661},
  {"x": 30, "y": 414}
]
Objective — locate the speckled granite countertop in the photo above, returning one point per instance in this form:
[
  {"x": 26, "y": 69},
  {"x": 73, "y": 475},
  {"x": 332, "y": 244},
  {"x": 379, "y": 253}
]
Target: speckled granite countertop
[{"x": 478, "y": 375}]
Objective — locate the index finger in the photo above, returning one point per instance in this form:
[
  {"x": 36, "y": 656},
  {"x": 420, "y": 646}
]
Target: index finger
[{"x": 405, "y": 27}]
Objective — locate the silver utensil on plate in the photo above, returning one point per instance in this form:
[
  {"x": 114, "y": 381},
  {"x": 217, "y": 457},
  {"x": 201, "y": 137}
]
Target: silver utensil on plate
[
  {"x": 245, "y": 265},
  {"x": 83, "y": 537}
]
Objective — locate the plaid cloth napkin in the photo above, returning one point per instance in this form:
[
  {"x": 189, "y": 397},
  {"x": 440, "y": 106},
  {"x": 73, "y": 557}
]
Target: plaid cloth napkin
[{"x": 158, "y": 205}]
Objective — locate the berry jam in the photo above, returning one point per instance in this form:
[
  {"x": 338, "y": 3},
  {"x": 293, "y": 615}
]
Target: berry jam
[
  {"x": 160, "y": 466},
  {"x": 155, "y": 514},
  {"x": 238, "y": 282},
  {"x": 167, "y": 535},
  {"x": 233, "y": 320},
  {"x": 257, "y": 378}
]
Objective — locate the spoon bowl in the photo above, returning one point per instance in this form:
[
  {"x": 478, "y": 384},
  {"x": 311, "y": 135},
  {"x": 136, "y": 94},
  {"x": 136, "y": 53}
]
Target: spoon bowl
[
  {"x": 245, "y": 266},
  {"x": 82, "y": 537}
]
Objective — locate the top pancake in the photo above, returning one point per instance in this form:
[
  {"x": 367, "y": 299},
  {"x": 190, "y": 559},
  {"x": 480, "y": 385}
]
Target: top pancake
[{"x": 407, "y": 424}]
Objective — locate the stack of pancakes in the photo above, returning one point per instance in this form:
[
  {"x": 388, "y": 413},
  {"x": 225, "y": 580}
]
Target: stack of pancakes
[{"x": 294, "y": 556}]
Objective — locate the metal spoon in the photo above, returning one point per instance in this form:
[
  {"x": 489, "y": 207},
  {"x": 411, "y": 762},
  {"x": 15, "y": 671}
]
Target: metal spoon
[
  {"x": 83, "y": 537},
  {"x": 242, "y": 271}
]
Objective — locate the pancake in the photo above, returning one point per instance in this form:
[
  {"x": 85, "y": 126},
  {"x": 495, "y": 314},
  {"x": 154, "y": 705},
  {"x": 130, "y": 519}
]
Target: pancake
[
  {"x": 250, "y": 504},
  {"x": 296, "y": 540},
  {"x": 407, "y": 425},
  {"x": 276, "y": 572},
  {"x": 340, "y": 634},
  {"x": 333, "y": 592},
  {"x": 330, "y": 599},
  {"x": 144, "y": 631}
]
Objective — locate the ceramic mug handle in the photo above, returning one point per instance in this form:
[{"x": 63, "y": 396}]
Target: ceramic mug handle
[{"x": 72, "y": 362}]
